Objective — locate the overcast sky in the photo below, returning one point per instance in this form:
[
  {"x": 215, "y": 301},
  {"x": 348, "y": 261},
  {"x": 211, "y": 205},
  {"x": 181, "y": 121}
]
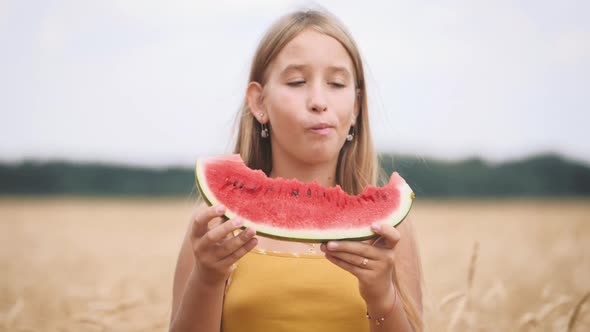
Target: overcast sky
[{"x": 158, "y": 82}]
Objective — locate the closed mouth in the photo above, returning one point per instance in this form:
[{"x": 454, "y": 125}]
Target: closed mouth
[
  {"x": 321, "y": 126},
  {"x": 322, "y": 129}
]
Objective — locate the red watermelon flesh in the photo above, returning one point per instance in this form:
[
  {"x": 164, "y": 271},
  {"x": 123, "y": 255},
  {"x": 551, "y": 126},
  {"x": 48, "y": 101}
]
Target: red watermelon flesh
[{"x": 291, "y": 209}]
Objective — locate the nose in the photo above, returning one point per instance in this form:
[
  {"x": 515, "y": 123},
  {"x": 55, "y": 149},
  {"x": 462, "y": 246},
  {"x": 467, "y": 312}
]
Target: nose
[{"x": 317, "y": 99}]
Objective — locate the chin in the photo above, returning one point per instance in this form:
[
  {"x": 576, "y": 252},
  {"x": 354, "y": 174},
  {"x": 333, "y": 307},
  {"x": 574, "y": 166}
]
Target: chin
[{"x": 317, "y": 155}]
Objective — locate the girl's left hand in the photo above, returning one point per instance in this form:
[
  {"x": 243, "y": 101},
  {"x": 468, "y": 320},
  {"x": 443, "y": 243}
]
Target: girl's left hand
[{"x": 372, "y": 264}]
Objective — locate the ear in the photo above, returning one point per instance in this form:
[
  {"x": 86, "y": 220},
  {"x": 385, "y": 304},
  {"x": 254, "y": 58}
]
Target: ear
[
  {"x": 357, "y": 106},
  {"x": 254, "y": 98}
]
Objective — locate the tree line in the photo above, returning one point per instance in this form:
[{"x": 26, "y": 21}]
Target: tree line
[{"x": 547, "y": 175}]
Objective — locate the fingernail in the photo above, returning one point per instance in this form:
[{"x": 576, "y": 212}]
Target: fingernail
[
  {"x": 332, "y": 245},
  {"x": 376, "y": 227},
  {"x": 220, "y": 209},
  {"x": 323, "y": 247},
  {"x": 237, "y": 222},
  {"x": 250, "y": 232}
]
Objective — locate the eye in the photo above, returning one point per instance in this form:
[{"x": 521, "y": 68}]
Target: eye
[
  {"x": 296, "y": 83},
  {"x": 337, "y": 85}
]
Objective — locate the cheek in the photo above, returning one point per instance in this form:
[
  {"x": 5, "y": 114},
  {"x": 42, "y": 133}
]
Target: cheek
[
  {"x": 285, "y": 105},
  {"x": 284, "y": 96},
  {"x": 345, "y": 108}
]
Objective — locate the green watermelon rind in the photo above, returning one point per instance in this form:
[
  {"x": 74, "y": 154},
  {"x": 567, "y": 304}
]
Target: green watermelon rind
[{"x": 363, "y": 233}]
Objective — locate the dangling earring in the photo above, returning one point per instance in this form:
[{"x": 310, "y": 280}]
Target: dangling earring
[
  {"x": 264, "y": 130},
  {"x": 350, "y": 135}
]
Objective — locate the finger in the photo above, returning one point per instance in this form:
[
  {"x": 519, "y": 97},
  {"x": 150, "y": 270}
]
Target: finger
[
  {"x": 377, "y": 241},
  {"x": 389, "y": 233},
  {"x": 353, "y": 247},
  {"x": 240, "y": 252},
  {"x": 354, "y": 269},
  {"x": 236, "y": 242},
  {"x": 352, "y": 259},
  {"x": 202, "y": 218},
  {"x": 220, "y": 232}
]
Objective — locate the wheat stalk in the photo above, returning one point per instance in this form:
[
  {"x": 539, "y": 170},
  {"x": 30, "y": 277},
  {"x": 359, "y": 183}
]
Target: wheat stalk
[
  {"x": 10, "y": 316},
  {"x": 529, "y": 318},
  {"x": 466, "y": 296},
  {"x": 111, "y": 308},
  {"x": 471, "y": 273},
  {"x": 576, "y": 312},
  {"x": 91, "y": 320},
  {"x": 534, "y": 319},
  {"x": 450, "y": 298},
  {"x": 458, "y": 313},
  {"x": 549, "y": 308},
  {"x": 497, "y": 291}
]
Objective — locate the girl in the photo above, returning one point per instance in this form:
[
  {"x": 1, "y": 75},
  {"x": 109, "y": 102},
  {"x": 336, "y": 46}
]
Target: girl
[{"x": 304, "y": 117}]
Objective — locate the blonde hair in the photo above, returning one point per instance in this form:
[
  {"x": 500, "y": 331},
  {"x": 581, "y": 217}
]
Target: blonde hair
[{"x": 357, "y": 161}]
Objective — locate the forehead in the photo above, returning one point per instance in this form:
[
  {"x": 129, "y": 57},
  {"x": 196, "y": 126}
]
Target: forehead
[{"x": 313, "y": 49}]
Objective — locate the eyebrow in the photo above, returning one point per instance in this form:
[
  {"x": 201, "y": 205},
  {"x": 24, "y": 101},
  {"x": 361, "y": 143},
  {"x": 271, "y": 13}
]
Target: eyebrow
[{"x": 331, "y": 69}]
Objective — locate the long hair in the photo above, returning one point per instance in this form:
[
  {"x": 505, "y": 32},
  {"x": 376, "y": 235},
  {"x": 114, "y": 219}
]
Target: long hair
[{"x": 357, "y": 161}]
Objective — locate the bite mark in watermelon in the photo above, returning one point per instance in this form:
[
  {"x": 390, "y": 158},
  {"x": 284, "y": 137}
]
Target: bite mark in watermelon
[{"x": 294, "y": 210}]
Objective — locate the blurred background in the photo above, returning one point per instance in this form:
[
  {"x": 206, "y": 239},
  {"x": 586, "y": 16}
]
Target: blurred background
[{"x": 483, "y": 106}]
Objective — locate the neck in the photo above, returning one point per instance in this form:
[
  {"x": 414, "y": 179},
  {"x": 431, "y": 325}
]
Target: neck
[{"x": 290, "y": 168}]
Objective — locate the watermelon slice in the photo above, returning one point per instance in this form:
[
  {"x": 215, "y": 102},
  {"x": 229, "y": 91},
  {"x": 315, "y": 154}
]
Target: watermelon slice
[{"x": 290, "y": 209}]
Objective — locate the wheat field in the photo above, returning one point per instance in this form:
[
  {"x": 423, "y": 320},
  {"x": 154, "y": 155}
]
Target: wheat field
[{"x": 82, "y": 264}]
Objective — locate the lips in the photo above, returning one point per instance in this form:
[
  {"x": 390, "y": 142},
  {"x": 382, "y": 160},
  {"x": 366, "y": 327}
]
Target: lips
[{"x": 322, "y": 128}]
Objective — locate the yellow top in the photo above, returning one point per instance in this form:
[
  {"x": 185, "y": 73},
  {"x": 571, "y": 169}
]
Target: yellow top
[{"x": 279, "y": 292}]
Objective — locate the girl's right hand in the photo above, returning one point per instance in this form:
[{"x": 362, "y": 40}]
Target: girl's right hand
[{"x": 216, "y": 249}]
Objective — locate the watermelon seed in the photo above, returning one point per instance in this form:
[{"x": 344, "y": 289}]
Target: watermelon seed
[
  {"x": 235, "y": 183},
  {"x": 242, "y": 186},
  {"x": 308, "y": 192},
  {"x": 295, "y": 193}
]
